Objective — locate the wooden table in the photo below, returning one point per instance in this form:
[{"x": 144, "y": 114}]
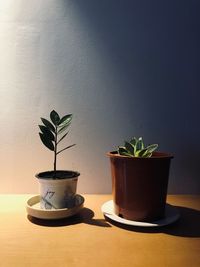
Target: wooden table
[{"x": 89, "y": 240}]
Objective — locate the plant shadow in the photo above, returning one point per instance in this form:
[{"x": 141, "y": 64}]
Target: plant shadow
[
  {"x": 84, "y": 216},
  {"x": 188, "y": 225}
]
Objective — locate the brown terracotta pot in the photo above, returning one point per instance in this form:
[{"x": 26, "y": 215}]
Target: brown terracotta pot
[{"x": 139, "y": 185}]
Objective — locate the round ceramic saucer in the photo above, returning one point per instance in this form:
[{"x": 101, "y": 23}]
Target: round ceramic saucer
[
  {"x": 33, "y": 209},
  {"x": 171, "y": 215}
]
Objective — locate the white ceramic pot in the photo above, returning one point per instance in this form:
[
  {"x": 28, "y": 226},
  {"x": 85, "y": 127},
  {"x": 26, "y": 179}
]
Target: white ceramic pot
[{"x": 57, "y": 193}]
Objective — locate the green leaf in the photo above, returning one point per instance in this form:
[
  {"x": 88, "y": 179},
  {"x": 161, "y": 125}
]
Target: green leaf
[
  {"x": 147, "y": 155},
  {"x": 46, "y": 142},
  {"x": 152, "y": 148},
  {"x": 48, "y": 124},
  {"x": 48, "y": 134},
  {"x": 122, "y": 151},
  {"x": 139, "y": 144},
  {"x": 142, "y": 153},
  {"x": 129, "y": 147},
  {"x": 54, "y": 117},
  {"x": 65, "y": 120},
  {"x": 133, "y": 141},
  {"x": 137, "y": 153},
  {"x": 62, "y": 129}
]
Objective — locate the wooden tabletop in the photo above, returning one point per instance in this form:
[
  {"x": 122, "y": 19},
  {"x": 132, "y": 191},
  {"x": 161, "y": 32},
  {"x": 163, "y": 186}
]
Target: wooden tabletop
[{"x": 88, "y": 239}]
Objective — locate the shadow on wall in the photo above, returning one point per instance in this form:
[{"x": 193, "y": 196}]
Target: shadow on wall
[{"x": 153, "y": 50}]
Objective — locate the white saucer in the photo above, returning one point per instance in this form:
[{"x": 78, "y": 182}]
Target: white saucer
[
  {"x": 33, "y": 209},
  {"x": 171, "y": 215}
]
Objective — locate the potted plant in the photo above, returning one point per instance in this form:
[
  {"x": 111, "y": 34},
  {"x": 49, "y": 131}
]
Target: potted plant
[
  {"x": 139, "y": 181},
  {"x": 57, "y": 187}
]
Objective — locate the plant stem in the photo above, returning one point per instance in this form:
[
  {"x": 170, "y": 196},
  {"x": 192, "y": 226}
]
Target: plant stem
[
  {"x": 55, "y": 152},
  {"x": 65, "y": 149}
]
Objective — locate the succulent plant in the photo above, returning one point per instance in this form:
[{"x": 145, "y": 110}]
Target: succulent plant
[
  {"x": 136, "y": 148},
  {"x": 53, "y": 132}
]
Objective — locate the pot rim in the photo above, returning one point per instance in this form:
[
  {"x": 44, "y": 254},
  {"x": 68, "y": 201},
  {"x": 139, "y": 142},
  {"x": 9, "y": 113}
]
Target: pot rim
[
  {"x": 75, "y": 174},
  {"x": 155, "y": 155}
]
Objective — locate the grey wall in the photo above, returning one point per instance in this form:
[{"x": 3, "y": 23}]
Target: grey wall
[{"x": 123, "y": 68}]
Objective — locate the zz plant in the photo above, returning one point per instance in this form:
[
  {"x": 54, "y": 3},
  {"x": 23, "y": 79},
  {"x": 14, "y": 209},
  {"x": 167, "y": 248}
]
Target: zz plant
[
  {"x": 53, "y": 132},
  {"x": 136, "y": 148}
]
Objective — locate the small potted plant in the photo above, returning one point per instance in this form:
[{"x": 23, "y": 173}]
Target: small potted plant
[
  {"x": 57, "y": 187},
  {"x": 139, "y": 181}
]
